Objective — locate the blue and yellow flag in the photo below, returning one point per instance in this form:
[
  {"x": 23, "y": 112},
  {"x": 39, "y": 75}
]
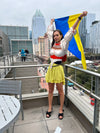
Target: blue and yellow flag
[{"x": 75, "y": 45}]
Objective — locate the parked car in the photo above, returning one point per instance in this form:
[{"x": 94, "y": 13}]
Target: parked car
[
  {"x": 70, "y": 84},
  {"x": 74, "y": 87},
  {"x": 81, "y": 93}
]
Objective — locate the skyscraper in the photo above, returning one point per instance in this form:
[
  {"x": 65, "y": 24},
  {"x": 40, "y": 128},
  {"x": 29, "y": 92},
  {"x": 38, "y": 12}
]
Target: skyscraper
[
  {"x": 38, "y": 28},
  {"x": 84, "y": 29},
  {"x": 95, "y": 37}
]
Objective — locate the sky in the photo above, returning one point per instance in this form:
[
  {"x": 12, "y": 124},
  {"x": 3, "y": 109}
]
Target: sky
[{"x": 20, "y": 12}]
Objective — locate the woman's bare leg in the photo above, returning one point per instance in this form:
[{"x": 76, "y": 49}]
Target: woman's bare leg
[
  {"x": 50, "y": 96},
  {"x": 61, "y": 93}
]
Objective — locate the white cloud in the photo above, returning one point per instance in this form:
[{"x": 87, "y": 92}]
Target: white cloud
[{"x": 20, "y": 12}]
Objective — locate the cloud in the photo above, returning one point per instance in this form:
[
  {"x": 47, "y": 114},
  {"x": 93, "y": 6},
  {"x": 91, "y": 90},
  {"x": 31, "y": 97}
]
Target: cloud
[{"x": 20, "y": 12}]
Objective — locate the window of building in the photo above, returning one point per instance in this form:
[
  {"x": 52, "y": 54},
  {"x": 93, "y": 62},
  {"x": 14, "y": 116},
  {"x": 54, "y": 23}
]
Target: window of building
[
  {"x": 0, "y": 40},
  {"x": 1, "y": 52}
]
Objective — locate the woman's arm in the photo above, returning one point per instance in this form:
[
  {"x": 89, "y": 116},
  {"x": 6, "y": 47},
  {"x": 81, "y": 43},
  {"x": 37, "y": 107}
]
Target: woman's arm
[
  {"x": 50, "y": 30},
  {"x": 79, "y": 18},
  {"x": 52, "y": 20}
]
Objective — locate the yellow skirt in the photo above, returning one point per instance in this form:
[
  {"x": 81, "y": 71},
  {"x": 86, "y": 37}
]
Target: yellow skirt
[{"x": 55, "y": 74}]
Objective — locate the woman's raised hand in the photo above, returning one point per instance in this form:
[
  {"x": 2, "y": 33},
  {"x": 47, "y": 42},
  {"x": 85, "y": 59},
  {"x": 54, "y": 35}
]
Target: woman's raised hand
[
  {"x": 84, "y": 14},
  {"x": 52, "y": 20}
]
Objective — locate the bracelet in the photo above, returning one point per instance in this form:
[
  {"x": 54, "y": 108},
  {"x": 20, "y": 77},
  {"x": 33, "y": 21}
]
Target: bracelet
[{"x": 79, "y": 18}]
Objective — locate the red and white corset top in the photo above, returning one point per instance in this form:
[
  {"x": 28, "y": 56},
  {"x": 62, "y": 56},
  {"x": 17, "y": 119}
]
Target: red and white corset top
[{"x": 57, "y": 52}]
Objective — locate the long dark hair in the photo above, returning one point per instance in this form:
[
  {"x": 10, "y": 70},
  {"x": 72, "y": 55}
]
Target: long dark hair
[{"x": 53, "y": 37}]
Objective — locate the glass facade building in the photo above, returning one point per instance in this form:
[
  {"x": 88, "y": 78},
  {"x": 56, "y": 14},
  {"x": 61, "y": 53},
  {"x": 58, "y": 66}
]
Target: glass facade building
[
  {"x": 17, "y": 45},
  {"x": 89, "y": 19},
  {"x": 18, "y": 38},
  {"x": 15, "y": 32},
  {"x": 4, "y": 44},
  {"x": 30, "y": 34},
  {"x": 38, "y": 27},
  {"x": 84, "y": 29},
  {"x": 95, "y": 37}
]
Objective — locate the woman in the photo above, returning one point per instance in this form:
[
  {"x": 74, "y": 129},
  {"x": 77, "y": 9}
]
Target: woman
[
  {"x": 23, "y": 55},
  {"x": 55, "y": 73}
]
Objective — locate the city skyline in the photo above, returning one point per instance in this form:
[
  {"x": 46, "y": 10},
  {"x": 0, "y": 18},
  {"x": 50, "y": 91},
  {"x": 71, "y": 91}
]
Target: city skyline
[{"x": 21, "y": 12}]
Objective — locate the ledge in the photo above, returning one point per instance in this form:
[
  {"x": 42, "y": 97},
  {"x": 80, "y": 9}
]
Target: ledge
[
  {"x": 37, "y": 95},
  {"x": 38, "y": 100}
]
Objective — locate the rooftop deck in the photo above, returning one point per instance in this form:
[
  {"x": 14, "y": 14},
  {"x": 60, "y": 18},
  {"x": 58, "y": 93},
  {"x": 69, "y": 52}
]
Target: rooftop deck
[{"x": 36, "y": 122}]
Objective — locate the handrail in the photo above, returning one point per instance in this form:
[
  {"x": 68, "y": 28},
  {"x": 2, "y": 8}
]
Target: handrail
[
  {"x": 28, "y": 77},
  {"x": 21, "y": 66},
  {"x": 42, "y": 65},
  {"x": 96, "y": 115},
  {"x": 86, "y": 71},
  {"x": 89, "y": 92}
]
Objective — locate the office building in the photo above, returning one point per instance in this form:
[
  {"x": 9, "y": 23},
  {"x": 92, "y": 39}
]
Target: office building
[
  {"x": 95, "y": 37},
  {"x": 4, "y": 44},
  {"x": 84, "y": 29},
  {"x": 44, "y": 47},
  {"x": 15, "y": 32},
  {"x": 30, "y": 34},
  {"x": 18, "y": 44},
  {"x": 38, "y": 28},
  {"x": 18, "y": 38}
]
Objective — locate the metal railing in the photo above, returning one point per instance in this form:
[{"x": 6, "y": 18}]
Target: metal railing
[
  {"x": 6, "y": 61},
  {"x": 9, "y": 60},
  {"x": 93, "y": 93},
  {"x": 70, "y": 91}
]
